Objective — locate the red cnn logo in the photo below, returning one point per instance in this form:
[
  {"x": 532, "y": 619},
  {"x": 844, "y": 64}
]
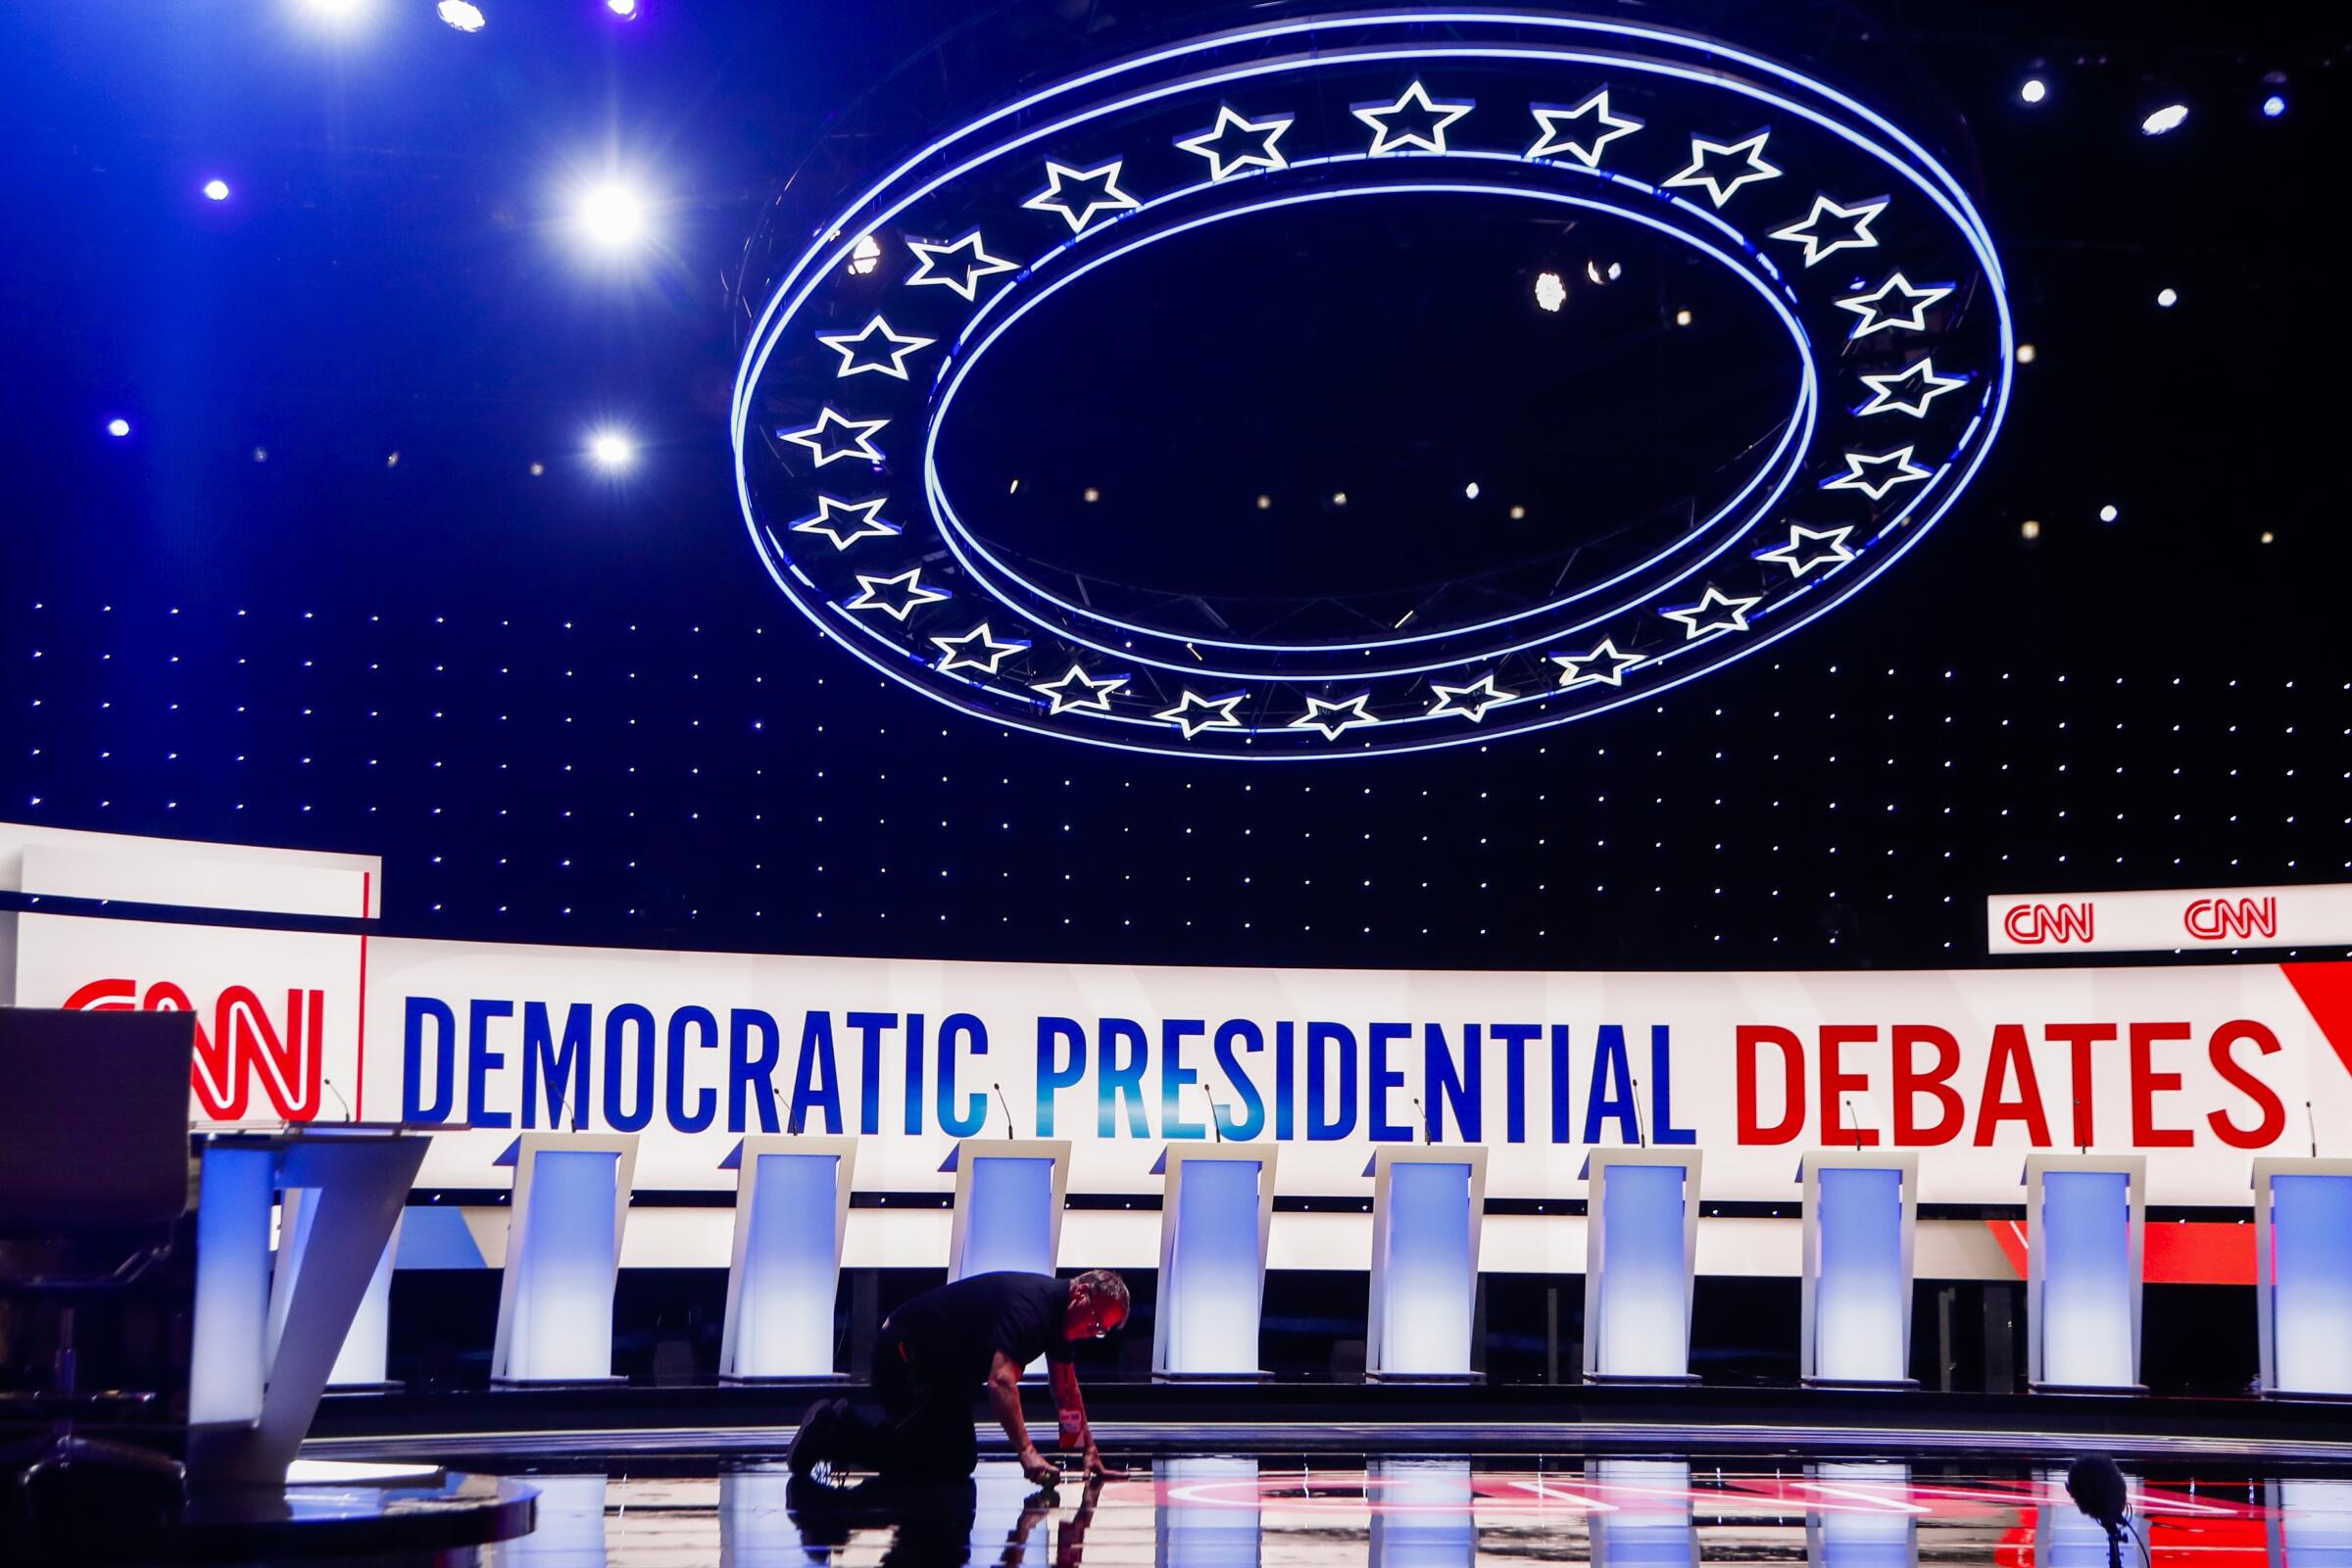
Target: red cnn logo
[
  {"x": 243, "y": 1043},
  {"x": 2032, "y": 925},
  {"x": 2211, "y": 919}
]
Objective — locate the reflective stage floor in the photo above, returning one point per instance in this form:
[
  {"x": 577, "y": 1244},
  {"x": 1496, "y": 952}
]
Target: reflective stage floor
[{"x": 1206, "y": 1511}]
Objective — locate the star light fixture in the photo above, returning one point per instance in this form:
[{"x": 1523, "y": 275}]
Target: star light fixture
[
  {"x": 910, "y": 596},
  {"x": 1555, "y": 135},
  {"x": 1472, "y": 701},
  {"x": 868, "y": 525},
  {"x": 891, "y": 361},
  {"x": 1876, "y": 317},
  {"x": 1909, "y": 390},
  {"x": 1428, "y": 137},
  {"x": 1889, "y": 469},
  {"x": 1333, "y": 717},
  {"x": 1098, "y": 187},
  {"x": 1613, "y": 666},
  {"x": 1820, "y": 242},
  {"x": 1255, "y": 141},
  {"x": 1194, "y": 712},
  {"x": 961, "y": 652},
  {"x": 1079, "y": 692},
  {"x": 965, "y": 280},
  {"x": 1716, "y": 611},
  {"x": 1808, "y": 548},
  {"x": 861, "y": 444},
  {"x": 1703, "y": 151}
]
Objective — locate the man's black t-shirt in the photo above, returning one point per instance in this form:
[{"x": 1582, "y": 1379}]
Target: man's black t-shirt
[{"x": 953, "y": 1333}]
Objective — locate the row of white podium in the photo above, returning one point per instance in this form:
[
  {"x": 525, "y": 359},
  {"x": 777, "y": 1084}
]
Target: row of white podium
[{"x": 319, "y": 1299}]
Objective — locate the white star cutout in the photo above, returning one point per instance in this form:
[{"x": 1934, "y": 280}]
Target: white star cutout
[
  {"x": 1858, "y": 237},
  {"x": 1483, "y": 694},
  {"x": 978, "y": 264},
  {"x": 1079, "y": 214},
  {"x": 1554, "y": 138},
  {"x": 1899, "y": 470},
  {"x": 911, "y": 593},
  {"x": 1808, "y": 548},
  {"x": 1716, "y": 611},
  {"x": 1078, "y": 690},
  {"x": 1196, "y": 713},
  {"x": 860, "y": 445},
  {"x": 1324, "y": 715},
  {"x": 1718, "y": 189},
  {"x": 1265, "y": 132},
  {"x": 958, "y": 649},
  {"x": 1913, "y": 317},
  {"x": 1613, "y": 665},
  {"x": 1888, "y": 397},
  {"x": 1415, "y": 98},
  {"x": 891, "y": 360},
  {"x": 869, "y": 525}
]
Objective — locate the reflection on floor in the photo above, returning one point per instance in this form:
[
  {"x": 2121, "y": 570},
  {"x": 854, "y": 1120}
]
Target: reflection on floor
[{"x": 1453, "y": 1512}]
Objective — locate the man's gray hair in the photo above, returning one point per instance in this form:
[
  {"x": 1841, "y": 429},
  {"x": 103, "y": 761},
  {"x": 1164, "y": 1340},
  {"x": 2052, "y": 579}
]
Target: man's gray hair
[{"x": 1105, "y": 1286}]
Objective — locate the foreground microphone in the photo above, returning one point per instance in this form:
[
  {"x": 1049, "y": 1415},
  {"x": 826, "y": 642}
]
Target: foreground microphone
[
  {"x": 2096, "y": 1485},
  {"x": 2314, "y": 1128},
  {"x": 348, "y": 1115},
  {"x": 1851, "y": 1121},
  {"x": 1640, "y": 1131},
  {"x": 1010, "y": 1131},
  {"x": 1216, "y": 1124},
  {"x": 1422, "y": 1117}
]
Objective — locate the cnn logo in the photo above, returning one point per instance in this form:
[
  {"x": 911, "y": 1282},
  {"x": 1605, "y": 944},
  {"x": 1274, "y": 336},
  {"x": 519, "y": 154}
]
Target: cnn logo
[
  {"x": 244, "y": 1043},
  {"x": 2032, "y": 925},
  {"x": 2218, "y": 919}
]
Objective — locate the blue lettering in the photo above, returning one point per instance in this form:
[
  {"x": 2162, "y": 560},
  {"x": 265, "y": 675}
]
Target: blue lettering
[
  {"x": 481, "y": 1062},
  {"x": 1448, "y": 1084},
  {"x": 1122, "y": 1081},
  {"x": 816, "y": 1082},
  {"x": 1321, "y": 1128},
  {"x": 1662, "y": 1092},
  {"x": 1385, "y": 1131},
  {"x": 1612, "y": 1095},
  {"x": 628, "y": 1017},
  {"x": 1175, "y": 1077},
  {"x": 411, "y": 1060},
  {"x": 1514, "y": 1038},
  {"x": 564, "y": 1066},
  {"x": 952, "y": 1032},
  {"x": 705, "y": 1102},
  {"x": 744, "y": 1068},
  {"x": 1053, "y": 1079},
  {"x": 1562, "y": 1128},
  {"x": 1285, "y": 1077},
  {"x": 913, "y": 1112},
  {"x": 870, "y": 1027},
  {"x": 1253, "y": 1121}
]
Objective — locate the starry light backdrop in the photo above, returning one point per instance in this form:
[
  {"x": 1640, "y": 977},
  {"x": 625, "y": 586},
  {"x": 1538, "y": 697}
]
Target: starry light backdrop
[{"x": 352, "y": 579}]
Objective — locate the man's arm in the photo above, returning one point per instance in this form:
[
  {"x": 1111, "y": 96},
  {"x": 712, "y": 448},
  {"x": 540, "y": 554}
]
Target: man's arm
[
  {"x": 1004, "y": 1400},
  {"x": 1076, "y": 1434}
]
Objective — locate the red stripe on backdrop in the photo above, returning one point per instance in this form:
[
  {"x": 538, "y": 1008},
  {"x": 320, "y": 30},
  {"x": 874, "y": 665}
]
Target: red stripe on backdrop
[
  {"x": 2327, "y": 990},
  {"x": 2177, "y": 1253}
]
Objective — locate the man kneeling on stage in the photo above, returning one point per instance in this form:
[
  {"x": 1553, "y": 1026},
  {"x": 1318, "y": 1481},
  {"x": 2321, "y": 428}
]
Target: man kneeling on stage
[{"x": 932, "y": 1352}]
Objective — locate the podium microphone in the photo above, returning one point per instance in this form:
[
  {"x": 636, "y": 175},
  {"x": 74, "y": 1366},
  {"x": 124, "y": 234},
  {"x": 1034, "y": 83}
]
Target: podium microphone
[
  {"x": 2314, "y": 1127},
  {"x": 1855, "y": 1125},
  {"x": 1216, "y": 1119},
  {"x": 1423, "y": 1118},
  {"x": 1010, "y": 1130},
  {"x": 1641, "y": 1129},
  {"x": 555, "y": 1123},
  {"x": 2083, "y": 1149},
  {"x": 2097, "y": 1487},
  {"x": 349, "y": 1116}
]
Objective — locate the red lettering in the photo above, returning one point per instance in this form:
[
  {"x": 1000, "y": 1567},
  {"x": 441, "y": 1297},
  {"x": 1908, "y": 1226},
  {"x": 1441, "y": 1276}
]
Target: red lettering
[
  {"x": 1837, "y": 1084},
  {"x": 2079, "y": 1038},
  {"x": 1747, "y": 1039},
  {"x": 2274, "y": 1114},
  {"x": 2011, "y": 1059},
  {"x": 2147, "y": 1083},
  {"x": 1909, "y": 1083}
]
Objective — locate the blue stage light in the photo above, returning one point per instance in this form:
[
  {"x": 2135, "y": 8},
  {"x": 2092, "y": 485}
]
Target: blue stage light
[
  {"x": 612, "y": 451},
  {"x": 2169, "y": 118},
  {"x": 2032, "y": 90},
  {"x": 215, "y": 190},
  {"x": 118, "y": 427},
  {"x": 336, "y": 13},
  {"x": 461, "y": 16},
  {"x": 612, "y": 216},
  {"x": 625, "y": 10},
  {"x": 2274, "y": 105}
]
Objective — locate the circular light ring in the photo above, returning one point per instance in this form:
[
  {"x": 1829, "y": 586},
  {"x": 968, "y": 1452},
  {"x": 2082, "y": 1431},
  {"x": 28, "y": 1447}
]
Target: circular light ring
[{"x": 1869, "y": 244}]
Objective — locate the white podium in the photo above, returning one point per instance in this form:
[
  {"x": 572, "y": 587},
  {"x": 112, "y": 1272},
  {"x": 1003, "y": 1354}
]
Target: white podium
[
  {"x": 2085, "y": 1222},
  {"x": 1423, "y": 1513},
  {"x": 1647, "y": 1523},
  {"x": 1008, "y": 1197},
  {"x": 1861, "y": 1214},
  {"x": 791, "y": 1214},
  {"x": 360, "y": 1366},
  {"x": 2303, "y": 1276},
  {"x": 1869, "y": 1521},
  {"x": 1641, "y": 1239},
  {"x": 1207, "y": 1513},
  {"x": 1428, "y": 1205},
  {"x": 555, "y": 1297},
  {"x": 1214, "y": 1219}
]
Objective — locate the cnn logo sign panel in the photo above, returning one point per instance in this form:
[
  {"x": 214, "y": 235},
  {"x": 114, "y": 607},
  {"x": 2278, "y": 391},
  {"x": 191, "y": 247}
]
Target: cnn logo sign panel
[{"x": 2170, "y": 920}]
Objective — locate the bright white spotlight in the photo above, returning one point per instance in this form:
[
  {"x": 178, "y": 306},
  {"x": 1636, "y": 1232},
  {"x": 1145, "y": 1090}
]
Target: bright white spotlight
[
  {"x": 2166, "y": 298},
  {"x": 1470, "y": 490},
  {"x": 215, "y": 190},
  {"x": 625, "y": 10},
  {"x": 461, "y": 16},
  {"x": 337, "y": 13},
  {"x": 612, "y": 451},
  {"x": 2033, "y": 90},
  {"x": 2169, "y": 118},
  {"x": 612, "y": 216},
  {"x": 2274, "y": 105},
  {"x": 1550, "y": 292},
  {"x": 118, "y": 427},
  {"x": 2108, "y": 513}
]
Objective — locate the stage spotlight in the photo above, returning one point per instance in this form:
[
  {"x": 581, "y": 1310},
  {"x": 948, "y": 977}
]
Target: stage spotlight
[
  {"x": 2268, "y": 536},
  {"x": 118, "y": 427},
  {"x": 1681, "y": 318},
  {"x": 612, "y": 451},
  {"x": 2025, "y": 354},
  {"x": 2169, "y": 118},
  {"x": 612, "y": 216},
  {"x": 1518, "y": 513},
  {"x": 2166, "y": 298},
  {"x": 461, "y": 16},
  {"x": 1550, "y": 292},
  {"x": 1602, "y": 275},
  {"x": 215, "y": 190},
  {"x": 2029, "y": 529},
  {"x": 2274, "y": 105},
  {"x": 2033, "y": 90},
  {"x": 1093, "y": 495},
  {"x": 2108, "y": 513},
  {"x": 1339, "y": 497},
  {"x": 1470, "y": 491},
  {"x": 865, "y": 256},
  {"x": 336, "y": 13},
  {"x": 625, "y": 10},
  {"x": 1264, "y": 502}
]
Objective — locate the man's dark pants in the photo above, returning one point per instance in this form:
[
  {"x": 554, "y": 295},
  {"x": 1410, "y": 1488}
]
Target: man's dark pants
[{"x": 928, "y": 1433}]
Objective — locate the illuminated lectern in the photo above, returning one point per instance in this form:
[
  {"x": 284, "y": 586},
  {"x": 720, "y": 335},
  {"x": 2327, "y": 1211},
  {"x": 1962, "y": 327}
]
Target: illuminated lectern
[
  {"x": 1866, "y": 1518},
  {"x": 1427, "y": 1202},
  {"x": 360, "y": 1365},
  {"x": 2086, "y": 1219},
  {"x": 1861, "y": 1211},
  {"x": 1647, "y": 1523},
  {"x": 1215, "y": 1221},
  {"x": 1640, "y": 1241},
  {"x": 791, "y": 1214},
  {"x": 1008, "y": 1197},
  {"x": 2303, "y": 1276},
  {"x": 555, "y": 1298}
]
